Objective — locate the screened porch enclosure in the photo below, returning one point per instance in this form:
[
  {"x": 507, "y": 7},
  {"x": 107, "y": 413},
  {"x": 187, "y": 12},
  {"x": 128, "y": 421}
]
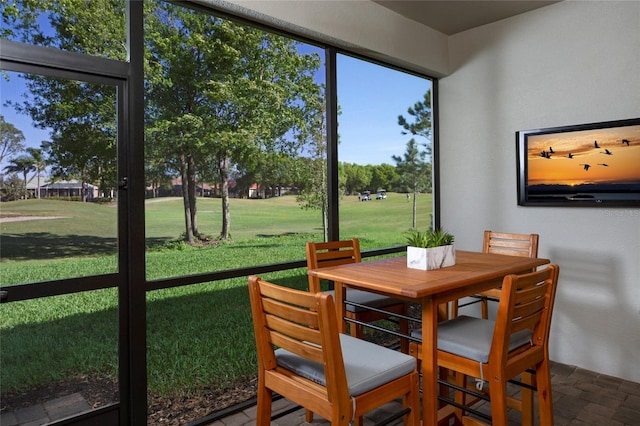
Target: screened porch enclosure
[{"x": 127, "y": 246}]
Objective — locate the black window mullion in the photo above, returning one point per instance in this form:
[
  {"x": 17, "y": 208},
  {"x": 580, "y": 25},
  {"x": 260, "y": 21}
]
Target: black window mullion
[
  {"x": 332, "y": 142},
  {"x": 133, "y": 318}
]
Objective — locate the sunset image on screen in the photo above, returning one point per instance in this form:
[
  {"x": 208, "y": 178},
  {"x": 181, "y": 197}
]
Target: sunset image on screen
[{"x": 602, "y": 159}]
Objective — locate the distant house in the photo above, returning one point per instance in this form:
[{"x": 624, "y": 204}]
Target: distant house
[
  {"x": 238, "y": 188},
  {"x": 255, "y": 191},
  {"x": 61, "y": 188},
  {"x": 71, "y": 188},
  {"x": 259, "y": 191},
  {"x": 175, "y": 190}
]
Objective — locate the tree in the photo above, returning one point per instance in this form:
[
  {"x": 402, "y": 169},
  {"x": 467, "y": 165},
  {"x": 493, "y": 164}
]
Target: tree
[
  {"x": 312, "y": 186},
  {"x": 81, "y": 115},
  {"x": 11, "y": 139},
  {"x": 414, "y": 172},
  {"x": 23, "y": 165},
  {"x": 96, "y": 27},
  {"x": 273, "y": 171},
  {"x": 358, "y": 178},
  {"x": 156, "y": 174},
  {"x": 383, "y": 176},
  {"x": 312, "y": 176},
  {"x": 220, "y": 93},
  {"x": 81, "y": 148},
  {"x": 421, "y": 124},
  {"x": 12, "y": 188},
  {"x": 39, "y": 164}
]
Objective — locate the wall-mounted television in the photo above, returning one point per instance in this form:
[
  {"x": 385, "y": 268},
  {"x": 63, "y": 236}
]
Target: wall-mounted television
[{"x": 595, "y": 164}]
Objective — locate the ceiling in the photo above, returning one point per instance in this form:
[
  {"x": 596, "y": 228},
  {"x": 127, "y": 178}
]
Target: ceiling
[{"x": 453, "y": 16}]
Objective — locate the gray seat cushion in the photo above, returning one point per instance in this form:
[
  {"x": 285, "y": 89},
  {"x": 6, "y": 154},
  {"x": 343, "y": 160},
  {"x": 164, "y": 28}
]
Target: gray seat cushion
[
  {"x": 367, "y": 365},
  {"x": 365, "y": 298},
  {"x": 471, "y": 337}
]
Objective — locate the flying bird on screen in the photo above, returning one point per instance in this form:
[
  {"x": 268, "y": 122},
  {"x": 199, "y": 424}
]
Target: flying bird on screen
[{"x": 586, "y": 166}]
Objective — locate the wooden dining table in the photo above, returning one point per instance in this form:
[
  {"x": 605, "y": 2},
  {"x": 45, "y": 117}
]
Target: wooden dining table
[{"x": 473, "y": 272}]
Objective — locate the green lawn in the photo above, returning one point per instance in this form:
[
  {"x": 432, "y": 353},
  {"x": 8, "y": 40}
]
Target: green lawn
[{"x": 199, "y": 335}]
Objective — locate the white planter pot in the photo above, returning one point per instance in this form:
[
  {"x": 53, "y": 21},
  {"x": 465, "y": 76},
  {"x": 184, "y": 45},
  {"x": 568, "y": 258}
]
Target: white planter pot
[{"x": 430, "y": 258}]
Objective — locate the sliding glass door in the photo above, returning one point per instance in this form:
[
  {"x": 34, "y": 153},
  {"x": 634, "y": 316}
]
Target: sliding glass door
[{"x": 62, "y": 226}]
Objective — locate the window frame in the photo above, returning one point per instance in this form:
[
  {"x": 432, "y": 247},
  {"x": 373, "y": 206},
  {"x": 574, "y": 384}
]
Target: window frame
[{"x": 16, "y": 56}]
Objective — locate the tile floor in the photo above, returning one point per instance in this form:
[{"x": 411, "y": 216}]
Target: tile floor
[{"x": 581, "y": 397}]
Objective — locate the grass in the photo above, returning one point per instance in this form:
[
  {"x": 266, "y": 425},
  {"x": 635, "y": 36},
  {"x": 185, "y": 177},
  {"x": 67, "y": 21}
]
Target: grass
[{"x": 198, "y": 335}]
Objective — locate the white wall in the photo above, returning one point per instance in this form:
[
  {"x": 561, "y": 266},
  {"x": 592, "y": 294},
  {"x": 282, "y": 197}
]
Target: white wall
[
  {"x": 569, "y": 63},
  {"x": 358, "y": 25}
]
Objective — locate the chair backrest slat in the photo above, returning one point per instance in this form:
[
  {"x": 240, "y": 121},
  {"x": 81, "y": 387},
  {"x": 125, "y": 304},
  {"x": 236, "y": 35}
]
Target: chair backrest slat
[
  {"x": 292, "y": 313},
  {"x": 526, "y": 311},
  {"x": 526, "y": 302},
  {"x": 524, "y": 245},
  {"x": 280, "y": 293},
  {"x": 332, "y": 253},
  {"x": 300, "y": 348},
  {"x": 307, "y": 333}
]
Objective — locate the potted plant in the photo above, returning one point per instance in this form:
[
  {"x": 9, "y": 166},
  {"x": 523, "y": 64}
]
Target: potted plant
[{"x": 431, "y": 249}]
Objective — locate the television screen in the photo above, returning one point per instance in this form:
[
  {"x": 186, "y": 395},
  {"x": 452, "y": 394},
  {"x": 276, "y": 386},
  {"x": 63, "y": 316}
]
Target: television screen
[{"x": 595, "y": 164}]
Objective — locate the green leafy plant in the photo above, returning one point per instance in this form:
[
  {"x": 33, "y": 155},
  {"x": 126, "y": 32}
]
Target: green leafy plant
[{"x": 429, "y": 238}]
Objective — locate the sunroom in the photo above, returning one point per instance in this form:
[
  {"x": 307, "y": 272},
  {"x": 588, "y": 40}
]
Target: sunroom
[{"x": 145, "y": 299}]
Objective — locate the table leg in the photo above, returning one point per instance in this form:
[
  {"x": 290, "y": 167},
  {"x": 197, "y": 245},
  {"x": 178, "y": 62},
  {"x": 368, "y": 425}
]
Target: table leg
[{"x": 429, "y": 363}]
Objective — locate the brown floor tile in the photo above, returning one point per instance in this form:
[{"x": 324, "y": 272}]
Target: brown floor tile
[{"x": 580, "y": 398}]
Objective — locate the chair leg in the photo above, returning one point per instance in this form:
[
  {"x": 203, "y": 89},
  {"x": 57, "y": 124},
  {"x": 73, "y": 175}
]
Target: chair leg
[
  {"x": 454, "y": 309},
  {"x": 412, "y": 400},
  {"x": 356, "y": 330},
  {"x": 338, "y": 420},
  {"x": 485, "y": 307},
  {"x": 498, "y": 397},
  {"x": 308, "y": 416},
  {"x": 460, "y": 397},
  {"x": 545, "y": 401},
  {"x": 263, "y": 413},
  {"x": 443, "y": 390},
  {"x": 526, "y": 397}
]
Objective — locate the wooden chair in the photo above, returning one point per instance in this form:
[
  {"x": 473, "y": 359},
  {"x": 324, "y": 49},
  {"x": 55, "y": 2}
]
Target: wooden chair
[
  {"x": 335, "y": 375},
  {"x": 525, "y": 245},
  {"x": 497, "y": 351},
  {"x": 333, "y": 253}
]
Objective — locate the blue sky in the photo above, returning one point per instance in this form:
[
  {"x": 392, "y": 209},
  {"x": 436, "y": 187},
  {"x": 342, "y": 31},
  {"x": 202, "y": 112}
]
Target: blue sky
[
  {"x": 370, "y": 97},
  {"x": 13, "y": 90}
]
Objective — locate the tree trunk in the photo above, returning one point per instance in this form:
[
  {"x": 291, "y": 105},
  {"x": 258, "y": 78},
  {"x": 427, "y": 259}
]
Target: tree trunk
[
  {"x": 185, "y": 200},
  {"x": 325, "y": 223},
  {"x": 192, "y": 193},
  {"x": 26, "y": 191},
  {"x": 415, "y": 207},
  {"x": 83, "y": 191},
  {"x": 38, "y": 187},
  {"x": 224, "y": 189}
]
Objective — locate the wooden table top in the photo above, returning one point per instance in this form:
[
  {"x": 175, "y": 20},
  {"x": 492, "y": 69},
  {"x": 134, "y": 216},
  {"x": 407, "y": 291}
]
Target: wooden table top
[{"x": 391, "y": 276}]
